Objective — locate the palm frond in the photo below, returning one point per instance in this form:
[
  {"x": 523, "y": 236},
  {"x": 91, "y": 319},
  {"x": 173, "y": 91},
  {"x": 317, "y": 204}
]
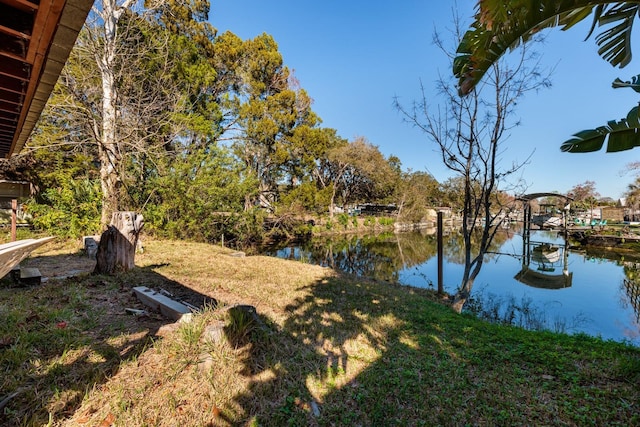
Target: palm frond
[
  {"x": 633, "y": 84},
  {"x": 500, "y": 26},
  {"x": 616, "y": 41},
  {"x": 620, "y": 136}
]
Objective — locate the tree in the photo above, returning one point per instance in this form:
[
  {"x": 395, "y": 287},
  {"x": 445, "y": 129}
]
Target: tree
[
  {"x": 276, "y": 133},
  {"x": 469, "y": 133},
  {"x": 199, "y": 195},
  {"x": 310, "y": 184},
  {"x": 415, "y": 193},
  {"x": 18, "y": 167},
  {"x": 103, "y": 41},
  {"x": 166, "y": 99},
  {"x": 453, "y": 193},
  {"x": 181, "y": 91},
  {"x": 619, "y": 135},
  {"x": 359, "y": 172},
  {"x": 501, "y": 26},
  {"x": 118, "y": 88},
  {"x": 633, "y": 197},
  {"x": 67, "y": 199},
  {"x": 584, "y": 196}
]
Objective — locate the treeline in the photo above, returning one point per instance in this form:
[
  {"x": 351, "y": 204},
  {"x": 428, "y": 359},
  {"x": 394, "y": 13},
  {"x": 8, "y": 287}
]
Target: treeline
[{"x": 203, "y": 133}]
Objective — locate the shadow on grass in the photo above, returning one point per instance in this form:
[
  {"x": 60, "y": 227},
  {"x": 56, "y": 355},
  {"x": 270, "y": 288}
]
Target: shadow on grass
[
  {"x": 346, "y": 352},
  {"x": 64, "y": 338},
  {"x": 354, "y": 352},
  {"x": 347, "y": 355}
]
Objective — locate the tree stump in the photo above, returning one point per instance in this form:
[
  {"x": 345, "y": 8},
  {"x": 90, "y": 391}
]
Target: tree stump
[{"x": 117, "y": 247}]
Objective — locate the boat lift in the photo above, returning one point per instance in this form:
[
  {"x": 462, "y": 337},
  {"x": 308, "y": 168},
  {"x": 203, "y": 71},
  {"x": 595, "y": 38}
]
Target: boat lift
[{"x": 547, "y": 256}]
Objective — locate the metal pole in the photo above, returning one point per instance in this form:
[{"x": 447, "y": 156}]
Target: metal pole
[
  {"x": 440, "y": 254},
  {"x": 525, "y": 233},
  {"x": 14, "y": 220}
]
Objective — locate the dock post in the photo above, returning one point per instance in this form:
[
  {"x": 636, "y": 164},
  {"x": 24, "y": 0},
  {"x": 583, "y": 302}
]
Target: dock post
[{"x": 440, "y": 254}]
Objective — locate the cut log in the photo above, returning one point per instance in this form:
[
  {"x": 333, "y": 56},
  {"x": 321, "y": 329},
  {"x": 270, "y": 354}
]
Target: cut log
[{"x": 117, "y": 247}]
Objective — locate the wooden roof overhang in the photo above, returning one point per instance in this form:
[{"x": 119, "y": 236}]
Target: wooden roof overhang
[{"x": 36, "y": 37}]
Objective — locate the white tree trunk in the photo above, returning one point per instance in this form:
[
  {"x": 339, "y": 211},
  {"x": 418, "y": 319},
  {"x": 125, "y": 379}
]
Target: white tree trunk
[{"x": 109, "y": 154}]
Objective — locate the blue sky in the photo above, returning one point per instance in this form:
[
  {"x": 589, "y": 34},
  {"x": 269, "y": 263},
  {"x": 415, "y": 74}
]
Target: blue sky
[{"x": 353, "y": 57}]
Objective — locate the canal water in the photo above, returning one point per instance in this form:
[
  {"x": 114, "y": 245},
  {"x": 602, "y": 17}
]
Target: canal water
[{"x": 547, "y": 287}]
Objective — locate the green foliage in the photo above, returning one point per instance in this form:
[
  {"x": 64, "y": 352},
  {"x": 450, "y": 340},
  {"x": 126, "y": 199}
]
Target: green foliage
[
  {"x": 200, "y": 196},
  {"x": 181, "y": 89},
  {"x": 301, "y": 198},
  {"x": 385, "y": 221},
  {"x": 369, "y": 221},
  {"x": 500, "y": 26},
  {"x": 358, "y": 171},
  {"x": 71, "y": 210},
  {"x": 242, "y": 322},
  {"x": 415, "y": 193},
  {"x": 70, "y": 199},
  {"x": 453, "y": 193},
  {"x": 584, "y": 195},
  {"x": 343, "y": 219},
  {"x": 620, "y": 136},
  {"x": 280, "y": 139},
  {"x": 629, "y": 368}
]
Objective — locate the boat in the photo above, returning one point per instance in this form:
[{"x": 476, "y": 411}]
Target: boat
[
  {"x": 546, "y": 253},
  {"x": 547, "y": 221}
]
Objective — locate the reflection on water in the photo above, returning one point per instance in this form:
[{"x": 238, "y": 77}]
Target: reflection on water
[
  {"x": 381, "y": 257},
  {"x": 544, "y": 264},
  {"x": 632, "y": 286},
  {"x": 603, "y": 294}
]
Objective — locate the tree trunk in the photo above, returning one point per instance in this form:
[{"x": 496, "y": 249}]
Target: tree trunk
[
  {"x": 332, "y": 203},
  {"x": 117, "y": 247},
  {"x": 461, "y": 297},
  {"x": 110, "y": 183},
  {"x": 109, "y": 154}
]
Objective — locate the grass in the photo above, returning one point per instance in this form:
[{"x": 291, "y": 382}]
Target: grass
[{"x": 325, "y": 349}]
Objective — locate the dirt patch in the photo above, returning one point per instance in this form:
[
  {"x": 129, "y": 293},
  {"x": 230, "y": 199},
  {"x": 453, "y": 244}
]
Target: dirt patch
[{"x": 61, "y": 266}]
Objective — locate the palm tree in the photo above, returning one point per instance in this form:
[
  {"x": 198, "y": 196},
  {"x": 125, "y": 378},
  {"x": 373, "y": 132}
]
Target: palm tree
[
  {"x": 633, "y": 197},
  {"x": 500, "y": 26}
]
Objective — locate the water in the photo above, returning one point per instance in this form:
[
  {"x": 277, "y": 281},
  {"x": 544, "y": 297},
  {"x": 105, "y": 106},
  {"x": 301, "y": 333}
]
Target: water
[{"x": 597, "y": 300}]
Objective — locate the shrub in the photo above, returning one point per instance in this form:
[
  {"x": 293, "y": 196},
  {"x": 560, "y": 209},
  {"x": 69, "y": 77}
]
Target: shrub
[
  {"x": 72, "y": 210},
  {"x": 304, "y": 197},
  {"x": 343, "y": 219},
  {"x": 386, "y": 221}
]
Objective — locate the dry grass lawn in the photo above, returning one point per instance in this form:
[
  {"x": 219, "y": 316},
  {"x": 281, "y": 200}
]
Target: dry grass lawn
[{"x": 324, "y": 349}]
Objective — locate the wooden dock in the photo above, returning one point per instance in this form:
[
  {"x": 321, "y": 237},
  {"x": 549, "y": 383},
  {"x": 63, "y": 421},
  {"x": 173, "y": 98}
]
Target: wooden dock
[{"x": 586, "y": 238}]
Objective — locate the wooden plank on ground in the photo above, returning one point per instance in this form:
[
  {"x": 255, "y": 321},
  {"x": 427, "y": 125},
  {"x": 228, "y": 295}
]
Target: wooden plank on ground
[{"x": 11, "y": 254}]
